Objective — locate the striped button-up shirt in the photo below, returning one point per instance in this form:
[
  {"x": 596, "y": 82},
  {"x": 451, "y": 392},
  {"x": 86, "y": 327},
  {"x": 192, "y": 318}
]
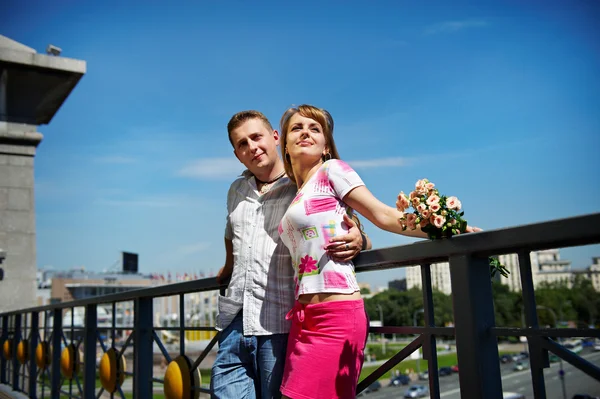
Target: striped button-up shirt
[{"x": 262, "y": 283}]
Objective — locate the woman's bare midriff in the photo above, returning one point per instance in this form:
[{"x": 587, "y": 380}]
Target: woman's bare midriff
[{"x": 323, "y": 297}]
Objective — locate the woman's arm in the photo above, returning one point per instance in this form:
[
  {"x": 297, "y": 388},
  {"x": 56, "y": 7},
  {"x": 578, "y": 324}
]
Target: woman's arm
[{"x": 381, "y": 215}]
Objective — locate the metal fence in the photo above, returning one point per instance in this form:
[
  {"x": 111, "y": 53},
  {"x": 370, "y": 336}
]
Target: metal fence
[{"x": 39, "y": 355}]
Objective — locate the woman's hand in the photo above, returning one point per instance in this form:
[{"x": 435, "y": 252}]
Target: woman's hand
[
  {"x": 345, "y": 248},
  {"x": 473, "y": 229}
]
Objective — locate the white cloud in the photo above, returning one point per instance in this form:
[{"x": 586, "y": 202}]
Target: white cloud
[
  {"x": 454, "y": 26},
  {"x": 380, "y": 163},
  {"x": 193, "y": 248},
  {"x": 212, "y": 168}
]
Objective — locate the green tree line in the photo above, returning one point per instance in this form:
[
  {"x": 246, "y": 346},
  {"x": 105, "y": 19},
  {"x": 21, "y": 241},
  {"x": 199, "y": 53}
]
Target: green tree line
[{"x": 579, "y": 304}]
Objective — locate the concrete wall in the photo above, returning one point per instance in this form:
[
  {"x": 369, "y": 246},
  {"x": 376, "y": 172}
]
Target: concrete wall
[{"x": 18, "y": 143}]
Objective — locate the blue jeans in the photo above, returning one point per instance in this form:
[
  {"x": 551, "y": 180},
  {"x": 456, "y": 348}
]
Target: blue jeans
[{"x": 248, "y": 367}]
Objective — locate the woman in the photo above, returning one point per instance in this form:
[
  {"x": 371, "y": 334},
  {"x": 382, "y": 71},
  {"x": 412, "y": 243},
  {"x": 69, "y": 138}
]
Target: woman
[{"x": 329, "y": 323}]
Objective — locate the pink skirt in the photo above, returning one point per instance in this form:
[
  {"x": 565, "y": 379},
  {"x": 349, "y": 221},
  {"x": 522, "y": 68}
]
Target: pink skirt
[{"x": 325, "y": 350}]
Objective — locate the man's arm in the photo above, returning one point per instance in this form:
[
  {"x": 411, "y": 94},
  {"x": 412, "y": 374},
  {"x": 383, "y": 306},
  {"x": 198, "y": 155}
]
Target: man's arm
[
  {"x": 345, "y": 248},
  {"x": 224, "y": 274}
]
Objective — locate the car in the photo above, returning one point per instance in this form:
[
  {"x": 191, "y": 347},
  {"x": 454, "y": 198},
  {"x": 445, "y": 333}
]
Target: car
[
  {"x": 505, "y": 359},
  {"x": 444, "y": 371},
  {"x": 424, "y": 375},
  {"x": 416, "y": 391},
  {"x": 454, "y": 368},
  {"x": 400, "y": 380},
  {"x": 520, "y": 365},
  {"x": 375, "y": 386}
]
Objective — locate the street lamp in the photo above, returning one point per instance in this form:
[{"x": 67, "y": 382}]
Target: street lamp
[
  {"x": 382, "y": 335},
  {"x": 561, "y": 372},
  {"x": 415, "y": 324}
]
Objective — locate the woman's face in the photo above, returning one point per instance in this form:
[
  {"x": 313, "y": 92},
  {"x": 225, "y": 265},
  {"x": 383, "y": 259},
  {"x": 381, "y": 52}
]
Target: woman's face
[{"x": 305, "y": 139}]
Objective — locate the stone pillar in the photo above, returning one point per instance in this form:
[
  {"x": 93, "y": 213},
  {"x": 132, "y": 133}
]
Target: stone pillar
[
  {"x": 18, "y": 144},
  {"x": 32, "y": 89}
]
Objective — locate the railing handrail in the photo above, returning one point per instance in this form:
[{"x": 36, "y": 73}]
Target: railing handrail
[{"x": 559, "y": 233}]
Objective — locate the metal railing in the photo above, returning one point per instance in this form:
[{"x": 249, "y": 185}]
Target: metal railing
[{"x": 474, "y": 328}]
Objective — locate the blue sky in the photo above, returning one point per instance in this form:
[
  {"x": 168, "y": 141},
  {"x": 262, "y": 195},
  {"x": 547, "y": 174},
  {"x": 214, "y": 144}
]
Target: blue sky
[{"x": 495, "y": 102}]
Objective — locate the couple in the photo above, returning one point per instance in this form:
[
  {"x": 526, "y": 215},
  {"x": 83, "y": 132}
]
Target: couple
[{"x": 289, "y": 246}]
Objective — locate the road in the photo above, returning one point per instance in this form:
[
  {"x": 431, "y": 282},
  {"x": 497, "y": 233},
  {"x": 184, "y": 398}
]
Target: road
[{"x": 520, "y": 382}]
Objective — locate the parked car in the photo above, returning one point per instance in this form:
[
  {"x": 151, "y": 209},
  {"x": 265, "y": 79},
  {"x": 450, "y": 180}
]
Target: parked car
[
  {"x": 454, "y": 368},
  {"x": 400, "y": 380},
  {"x": 520, "y": 365},
  {"x": 416, "y": 391},
  {"x": 505, "y": 359},
  {"x": 424, "y": 375},
  {"x": 375, "y": 386},
  {"x": 444, "y": 371}
]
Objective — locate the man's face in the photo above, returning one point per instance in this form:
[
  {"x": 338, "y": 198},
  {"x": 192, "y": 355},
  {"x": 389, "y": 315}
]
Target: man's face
[{"x": 255, "y": 145}]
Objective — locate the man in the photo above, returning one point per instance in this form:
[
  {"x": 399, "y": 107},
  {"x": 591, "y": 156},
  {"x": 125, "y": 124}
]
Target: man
[{"x": 252, "y": 316}]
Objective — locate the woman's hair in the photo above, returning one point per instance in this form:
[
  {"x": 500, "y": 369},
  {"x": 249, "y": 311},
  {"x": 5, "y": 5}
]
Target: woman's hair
[{"x": 308, "y": 111}]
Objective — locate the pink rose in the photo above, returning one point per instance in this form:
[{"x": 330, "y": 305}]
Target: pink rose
[
  {"x": 402, "y": 203},
  {"x": 410, "y": 221},
  {"x": 453, "y": 203},
  {"x": 438, "y": 221},
  {"x": 421, "y": 208},
  {"x": 435, "y": 207},
  {"x": 429, "y": 186},
  {"x": 415, "y": 202},
  {"x": 420, "y": 187},
  {"x": 434, "y": 199},
  {"x": 426, "y": 213},
  {"x": 424, "y": 223}
]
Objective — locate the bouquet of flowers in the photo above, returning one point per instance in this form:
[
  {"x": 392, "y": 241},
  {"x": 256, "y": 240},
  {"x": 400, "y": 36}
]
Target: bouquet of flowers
[{"x": 437, "y": 215}]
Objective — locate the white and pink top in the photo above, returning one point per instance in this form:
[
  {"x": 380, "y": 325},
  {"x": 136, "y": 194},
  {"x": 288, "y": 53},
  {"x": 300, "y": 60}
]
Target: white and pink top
[{"x": 313, "y": 217}]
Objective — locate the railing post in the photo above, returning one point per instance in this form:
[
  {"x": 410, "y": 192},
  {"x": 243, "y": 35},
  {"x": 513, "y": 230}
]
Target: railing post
[
  {"x": 429, "y": 344},
  {"x": 15, "y": 361},
  {"x": 33, "y": 342},
  {"x": 476, "y": 346},
  {"x": 538, "y": 358},
  {"x": 142, "y": 349},
  {"x": 89, "y": 354},
  {"x": 3, "y": 362},
  {"x": 57, "y": 321}
]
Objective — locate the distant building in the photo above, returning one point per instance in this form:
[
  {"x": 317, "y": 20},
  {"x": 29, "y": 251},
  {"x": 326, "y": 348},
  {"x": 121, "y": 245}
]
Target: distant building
[
  {"x": 440, "y": 277},
  {"x": 399, "y": 285},
  {"x": 593, "y": 273},
  {"x": 78, "y": 284},
  {"x": 546, "y": 267}
]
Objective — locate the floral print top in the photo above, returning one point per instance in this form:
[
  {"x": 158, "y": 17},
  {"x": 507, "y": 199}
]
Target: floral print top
[{"x": 313, "y": 217}]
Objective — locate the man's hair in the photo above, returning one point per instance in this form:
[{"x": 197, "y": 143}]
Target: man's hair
[{"x": 242, "y": 117}]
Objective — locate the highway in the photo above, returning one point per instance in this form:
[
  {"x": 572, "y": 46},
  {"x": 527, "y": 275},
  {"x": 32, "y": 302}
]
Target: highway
[{"x": 514, "y": 381}]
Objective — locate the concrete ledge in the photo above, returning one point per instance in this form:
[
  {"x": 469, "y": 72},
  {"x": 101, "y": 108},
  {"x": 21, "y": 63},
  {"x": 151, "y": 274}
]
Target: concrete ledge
[
  {"x": 6, "y": 392},
  {"x": 43, "y": 61}
]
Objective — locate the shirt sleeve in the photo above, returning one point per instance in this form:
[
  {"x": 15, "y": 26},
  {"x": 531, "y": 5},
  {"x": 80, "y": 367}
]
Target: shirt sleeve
[
  {"x": 228, "y": 228},
  {"x": 342, "y": 177}
]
